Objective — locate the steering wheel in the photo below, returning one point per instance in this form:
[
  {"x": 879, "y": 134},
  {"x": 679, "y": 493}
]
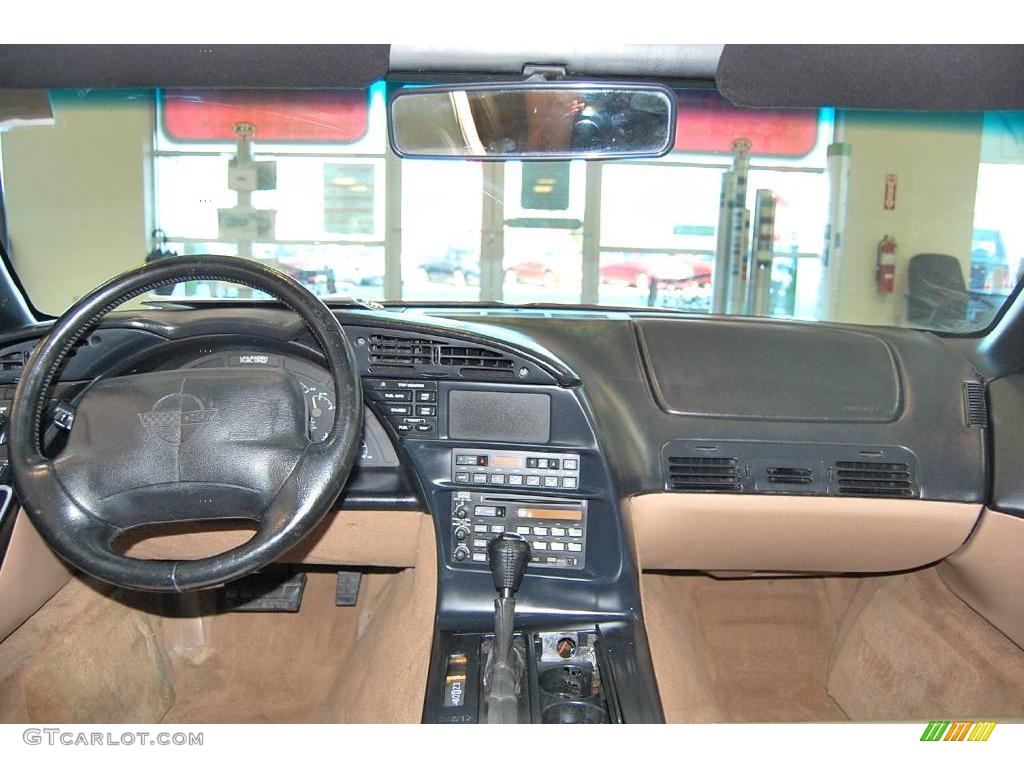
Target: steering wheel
[{"x": 191, "y": 445}]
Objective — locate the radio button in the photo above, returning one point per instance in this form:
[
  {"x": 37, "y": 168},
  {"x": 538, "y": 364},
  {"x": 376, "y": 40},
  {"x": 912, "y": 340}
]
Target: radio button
[
  {"x": 533, "y": 480},
  {"x": 557, "y": 546},
  {"x": 570, "y": 464},
  {"x": 523, "y": 530},
  {"x": 540, "y": 545},
  {"x": 558, "y": 531},
  {"x": 575, "y": 546},
  {"x": 480, "y": 557},
  {"x": 568, "y": 482},
  {"x": 515, "y": 479},
  {"x": 575, "y": 532},
  {"x": 497, "y": 479},
  {"x": 462, "y": 477},
  {"x": 480, "y": 528},
  {"x": 550, "y": 481},
  {"x": 540, "y": 531},
  {"x": 497, "y": 529},
  {"x": 480, "y": 477}
]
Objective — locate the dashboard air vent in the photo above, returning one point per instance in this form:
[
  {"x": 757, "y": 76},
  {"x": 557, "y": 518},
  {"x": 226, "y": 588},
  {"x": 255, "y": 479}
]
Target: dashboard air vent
[
  {"x": 399, "y": 351},
  {"x": 790, "y": 476},
  {"x": 474, "y": 357},
  {"x": 704, "y": 473},
  {"x": 975, "y": 404},
  {"x": 874, "y": 478}
]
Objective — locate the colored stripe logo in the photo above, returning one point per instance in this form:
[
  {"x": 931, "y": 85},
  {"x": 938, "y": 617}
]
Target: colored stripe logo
[{"x": 958, "y": 730}]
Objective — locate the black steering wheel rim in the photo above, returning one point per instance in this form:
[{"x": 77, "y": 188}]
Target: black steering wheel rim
[{"x": 318, "y": 477}]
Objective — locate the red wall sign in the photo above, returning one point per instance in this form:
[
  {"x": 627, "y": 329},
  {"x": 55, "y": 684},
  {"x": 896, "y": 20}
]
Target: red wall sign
[
  {"x": 279, "y": 115},
  {"x": 708, "y": 123},
  {"x": 889, "y": 199}
]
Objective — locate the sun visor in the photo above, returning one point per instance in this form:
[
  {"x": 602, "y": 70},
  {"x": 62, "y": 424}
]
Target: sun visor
[
  {"x": 918, "y": 77},
  {"x": 192, "y": 66}
]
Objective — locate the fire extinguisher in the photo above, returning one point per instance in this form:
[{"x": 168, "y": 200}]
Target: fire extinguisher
[{"x": 885, "y": 265}]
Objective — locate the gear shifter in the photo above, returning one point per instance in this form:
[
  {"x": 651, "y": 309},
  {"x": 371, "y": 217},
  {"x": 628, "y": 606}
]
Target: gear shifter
[{"x": 508, "y": 555}]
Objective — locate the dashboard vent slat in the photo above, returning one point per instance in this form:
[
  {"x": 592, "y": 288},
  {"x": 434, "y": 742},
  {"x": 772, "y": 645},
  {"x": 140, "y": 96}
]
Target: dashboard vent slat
[
  {"x": 704, "y": 473},
  {"x": 400, "y": 351},
  {"x": 474, "y": 357},
  {"x": 975, "y": 404},
  {"x": 874, "y": 478},
  {"x": 790, "y": 475}
]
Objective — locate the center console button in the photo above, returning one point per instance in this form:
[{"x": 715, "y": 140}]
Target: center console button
[
  {"x": 558, "y": 531},
  {"x": 533, "y": 480},
  {"x": 515, "y": 479},
  {"x": 480, "y": 477},
  {"x": 575, "y": 532},
  {"x": 461, "y": 553},
  {"x": 497, "y": 479},
  {"x": 550, "y": 481},
  {"x": 540, "y": 531},
  {"x": 540, "y": 545},
  {"x": 570, "y": 464},
  {"x": 462, "y": 477},
  {"x": 556, "y": 546},
  {"x": 523, "y": 530}
]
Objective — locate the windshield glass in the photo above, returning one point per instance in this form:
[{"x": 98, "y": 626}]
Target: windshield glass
[{"x": 884, "y": 218}]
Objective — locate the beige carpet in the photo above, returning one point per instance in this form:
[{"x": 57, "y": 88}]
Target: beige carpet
[
  {"x": 825, "y": 650},
  {"x": 97, "y": 654}
]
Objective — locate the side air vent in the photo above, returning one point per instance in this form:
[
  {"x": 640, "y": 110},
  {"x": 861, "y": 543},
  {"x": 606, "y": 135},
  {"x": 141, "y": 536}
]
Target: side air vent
[
  {"x": 13, "y": 362},
  {"x": 474, "y": 357},
  {"x": 790, "y": 476},
  {"x": 704, "y": 473},
  {"x": 401, "y": 352},
  {"x": 975, "y": 404},
  {"x": 874, "y": 478}
]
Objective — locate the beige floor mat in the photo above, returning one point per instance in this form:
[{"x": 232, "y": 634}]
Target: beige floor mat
[
  {"x": 96, "y": 654},
  {"x": 825, "y": 649},
  {"x": 728, "y": 651}
]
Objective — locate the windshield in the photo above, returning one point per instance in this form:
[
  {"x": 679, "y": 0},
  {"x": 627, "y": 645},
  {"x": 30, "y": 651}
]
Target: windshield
[{"x": 908, "y": 219}]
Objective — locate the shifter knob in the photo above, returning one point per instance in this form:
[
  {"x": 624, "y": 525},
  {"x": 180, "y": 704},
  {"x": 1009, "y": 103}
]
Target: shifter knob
[{"x": 508, "y": 555}]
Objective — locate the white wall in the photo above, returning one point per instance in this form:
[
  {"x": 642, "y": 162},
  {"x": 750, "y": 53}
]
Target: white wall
[
  {"x": 78, "y": 194},
  {"x": 936, "y": 160}
]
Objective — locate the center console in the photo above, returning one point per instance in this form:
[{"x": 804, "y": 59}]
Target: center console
[{"x": 507, "y": 459}]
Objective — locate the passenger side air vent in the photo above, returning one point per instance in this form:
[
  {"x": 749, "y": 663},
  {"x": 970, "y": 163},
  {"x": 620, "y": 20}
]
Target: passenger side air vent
[
  {"x": 874, "y": 478},
  {"x": 790, "y": 476},
  {"x": 400, "y": 352},
  {"x": 975, "y": 404},
  {"x": 704, "y": 473}
]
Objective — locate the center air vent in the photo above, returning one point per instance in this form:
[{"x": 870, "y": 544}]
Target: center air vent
[
  {"x": 703, "y": 473},
  {"x": 400, "y": 351},
  {"x": 474, "y": 357},
  {"x": 874, "y": 478},
  {"x": 790, "y": 476}
]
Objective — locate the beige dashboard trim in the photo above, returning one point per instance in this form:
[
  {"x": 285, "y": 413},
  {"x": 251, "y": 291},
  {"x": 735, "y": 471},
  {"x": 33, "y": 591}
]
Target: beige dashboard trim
[
  {"x": 383, "y": 538},
  {"x": 987, "y": 573},
  {"x": 30, "y": 574},
  {"x": 731, "y": 532}
]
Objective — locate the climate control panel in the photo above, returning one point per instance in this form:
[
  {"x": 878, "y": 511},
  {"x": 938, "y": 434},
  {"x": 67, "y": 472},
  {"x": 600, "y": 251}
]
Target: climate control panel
[
  {"x": 531, "y": 470},
  {"x": 556, "y": 529}
]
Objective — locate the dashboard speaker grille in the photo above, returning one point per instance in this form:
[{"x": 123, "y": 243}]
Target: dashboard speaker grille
[
  {"x": 975, "y": 404},
  {"x": 874, "y": 478},
  {"x": 704, "y": 473}
]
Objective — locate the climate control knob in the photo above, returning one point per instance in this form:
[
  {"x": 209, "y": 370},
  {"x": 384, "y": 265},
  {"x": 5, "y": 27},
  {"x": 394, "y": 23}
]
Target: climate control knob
[
  {"x": 461, "y": 553},
  {"x": 462, "y": 534}
]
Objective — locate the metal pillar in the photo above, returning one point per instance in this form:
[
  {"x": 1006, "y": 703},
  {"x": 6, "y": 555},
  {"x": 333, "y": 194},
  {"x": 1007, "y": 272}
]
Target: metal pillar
[
  {"x": 760, "y": 282},
  {"x": 392, "y": 227},
  {"x": 492, "y": 233},
  {"x": 592, "y": 235},
  {"x": 729, "y": 277}
]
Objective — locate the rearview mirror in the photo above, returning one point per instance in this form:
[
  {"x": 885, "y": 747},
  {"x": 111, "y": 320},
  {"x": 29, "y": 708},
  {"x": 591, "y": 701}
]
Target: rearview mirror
[{"x": 532, "y": 121}]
